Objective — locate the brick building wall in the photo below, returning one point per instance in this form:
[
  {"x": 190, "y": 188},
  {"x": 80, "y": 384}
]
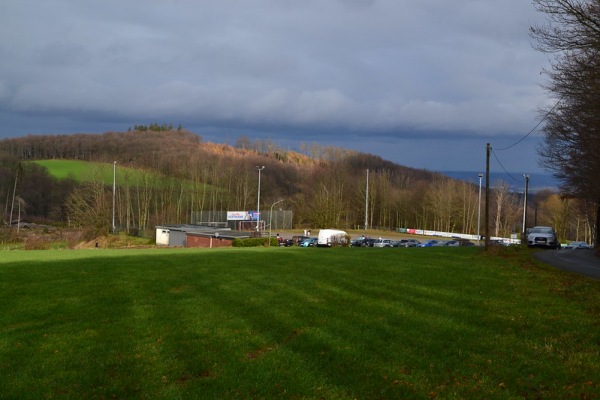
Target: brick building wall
[{"x": 207, "y": 242}]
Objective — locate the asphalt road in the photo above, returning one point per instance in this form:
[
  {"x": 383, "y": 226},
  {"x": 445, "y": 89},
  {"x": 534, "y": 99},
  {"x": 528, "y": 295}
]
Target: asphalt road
[{"x": 583, "y": 262}]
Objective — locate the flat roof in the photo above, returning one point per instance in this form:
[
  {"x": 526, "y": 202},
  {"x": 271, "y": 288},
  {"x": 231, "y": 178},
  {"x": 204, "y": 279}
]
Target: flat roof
[{"x": 202, "y": 230}]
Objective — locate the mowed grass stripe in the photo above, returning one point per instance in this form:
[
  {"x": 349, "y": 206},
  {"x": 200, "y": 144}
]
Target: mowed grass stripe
[{"x": 294, "y": 323}]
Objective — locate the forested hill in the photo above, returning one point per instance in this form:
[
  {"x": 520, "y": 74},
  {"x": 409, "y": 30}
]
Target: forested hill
[
  {"x": 173, "y": 152},
  {"x": 323, "y": 185}
]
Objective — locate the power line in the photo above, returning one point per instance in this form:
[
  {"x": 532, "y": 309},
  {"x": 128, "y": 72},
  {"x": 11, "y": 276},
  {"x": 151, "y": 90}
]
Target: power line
[
  {"x": 525, "y": 137},
  {"x": 502, "y": 166},
  {"x": 535, "y": 127}
]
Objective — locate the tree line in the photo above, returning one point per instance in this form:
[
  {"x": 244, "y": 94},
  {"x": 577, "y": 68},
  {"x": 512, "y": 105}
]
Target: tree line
[
  {"x": 571, "y": 149},
  {"x": 155, "y": 127},
  {"x": 186, "y": 175}
]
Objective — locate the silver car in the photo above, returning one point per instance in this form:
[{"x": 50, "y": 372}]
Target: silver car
[
  {"x": 407, "y": 243},
  {"x": 382, "y": 243},
  {"x": 543, "y": 236},
  {"x": 578, "y": 245}
]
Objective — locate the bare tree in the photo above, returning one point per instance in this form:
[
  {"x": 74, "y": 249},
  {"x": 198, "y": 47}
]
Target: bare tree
[
  {"x": 507, "y": 209},
  {"x": 572, "y": 132},
  {"x": 89, "y": 207}
]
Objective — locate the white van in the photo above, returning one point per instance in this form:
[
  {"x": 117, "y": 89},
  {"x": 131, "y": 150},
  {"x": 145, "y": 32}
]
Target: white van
[{"x": 332, "y": 238}]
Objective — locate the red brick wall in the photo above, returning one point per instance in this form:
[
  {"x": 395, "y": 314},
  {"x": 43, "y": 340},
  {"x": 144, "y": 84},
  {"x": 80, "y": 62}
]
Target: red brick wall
[{"x": 203, "y": 241}]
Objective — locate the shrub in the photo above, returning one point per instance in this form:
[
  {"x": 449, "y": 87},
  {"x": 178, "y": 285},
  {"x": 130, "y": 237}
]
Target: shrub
[
  {"x": 254, "y": 242},
  {"x": 37, "y": 242}
]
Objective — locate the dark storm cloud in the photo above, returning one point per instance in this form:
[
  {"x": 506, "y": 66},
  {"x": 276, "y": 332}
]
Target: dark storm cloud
[{"x": 374, "y": 68}]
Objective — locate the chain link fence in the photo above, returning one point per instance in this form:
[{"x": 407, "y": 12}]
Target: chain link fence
[{"x": 277, "y": 220}]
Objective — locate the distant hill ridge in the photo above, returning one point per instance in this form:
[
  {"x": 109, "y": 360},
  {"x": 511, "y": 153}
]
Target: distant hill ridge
[
  {"x": 163, "y": 150},
  {"x": 324, "y": 186}
]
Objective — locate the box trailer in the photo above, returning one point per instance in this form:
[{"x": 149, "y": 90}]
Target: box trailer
[{"x": 332, "y": 238}]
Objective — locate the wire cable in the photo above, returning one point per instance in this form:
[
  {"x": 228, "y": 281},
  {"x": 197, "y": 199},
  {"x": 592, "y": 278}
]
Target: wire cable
[
  {"x": 502, "y": 166},
  {"x": 535, "y": 127}
]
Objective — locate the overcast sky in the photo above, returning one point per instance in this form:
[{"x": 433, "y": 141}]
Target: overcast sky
[{"x": 424, "y": 83}]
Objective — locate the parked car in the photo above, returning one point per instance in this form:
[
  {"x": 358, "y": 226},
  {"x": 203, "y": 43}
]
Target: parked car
[
  {"x": 407, "y": 243},
  {"x": 295, "y": 240},
  {"x": 432, "y": 243},
  {"x": 452, "y": 243},
  {"x": 578, "y": 245},
  {"x": 357, "y": 242},
  {"x": 310, "y": 242},
  {"x": 382, "y": 243},
  {"x": 363, "y": 242},
  {"x": 543, "y": 236}
]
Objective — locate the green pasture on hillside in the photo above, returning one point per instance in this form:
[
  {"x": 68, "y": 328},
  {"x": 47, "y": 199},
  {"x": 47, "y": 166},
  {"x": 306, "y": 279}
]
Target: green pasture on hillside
[
  {"x": 85, "y": 171},
  {"x": 293, "y": 323},
  {"x": 80, "y": 171}
]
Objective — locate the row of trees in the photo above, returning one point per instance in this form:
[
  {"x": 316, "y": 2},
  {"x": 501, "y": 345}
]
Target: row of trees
[
  {"x": 571, "y": 148},
  {"x": 189, "y": 175},
  {"x": 155, "y": 127}
]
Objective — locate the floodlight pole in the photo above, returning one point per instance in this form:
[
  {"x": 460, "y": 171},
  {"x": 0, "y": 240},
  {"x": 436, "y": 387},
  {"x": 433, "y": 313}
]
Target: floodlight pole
[{"x": 270, "y": 216}]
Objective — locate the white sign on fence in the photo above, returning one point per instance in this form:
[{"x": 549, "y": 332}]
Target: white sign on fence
[{"x": 238, "y": 216}]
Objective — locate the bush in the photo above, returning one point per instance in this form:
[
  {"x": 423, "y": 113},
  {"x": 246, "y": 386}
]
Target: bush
[
  {"x": 254, "y": 242},
  {"x": 37, "y": 242},
  {"x": 340, "y": 241}
]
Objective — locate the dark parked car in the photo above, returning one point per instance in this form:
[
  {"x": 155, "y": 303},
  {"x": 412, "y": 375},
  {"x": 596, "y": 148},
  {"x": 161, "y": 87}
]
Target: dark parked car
[
  {"x": 452, "y": 243},
  {"x": 369, "y": 242},
  {"x": 294, "y": 241},
  {"x": 459, "y": 243},
  {"x": 363, "y": 242},
  {"x": 407, "y": 243},
  {"x": 432, "y": 243}
]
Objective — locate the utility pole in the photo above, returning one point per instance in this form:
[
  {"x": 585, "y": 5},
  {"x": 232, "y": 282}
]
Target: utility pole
[
  {"x": 523, "y": 234},
  {"x": 487, "y": 196},
  {"x": 367, "y": 203},
  {"x": 479, "y": 213}
]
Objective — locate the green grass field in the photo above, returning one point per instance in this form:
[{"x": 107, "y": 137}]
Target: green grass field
[
  {"x": 296, "y": 324},
  {"x": 83, "y": 171},
  {"x": 86, "y": 171},
  {"x": 78, "y": 170}
]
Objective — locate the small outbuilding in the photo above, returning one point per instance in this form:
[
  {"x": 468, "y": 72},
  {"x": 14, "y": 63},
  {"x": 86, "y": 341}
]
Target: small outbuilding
[{"x": 197, "y": 236}]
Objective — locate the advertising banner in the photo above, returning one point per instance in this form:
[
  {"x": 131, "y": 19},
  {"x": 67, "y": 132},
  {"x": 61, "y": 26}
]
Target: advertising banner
[{"x": 238, "y": 216}]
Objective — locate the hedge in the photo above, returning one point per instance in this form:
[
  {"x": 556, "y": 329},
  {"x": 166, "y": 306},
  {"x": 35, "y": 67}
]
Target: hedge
[{"x": 254, "y": 242}]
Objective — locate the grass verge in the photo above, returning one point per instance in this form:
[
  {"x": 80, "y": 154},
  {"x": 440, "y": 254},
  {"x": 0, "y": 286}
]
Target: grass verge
[{"x": 295, "y": 323}]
